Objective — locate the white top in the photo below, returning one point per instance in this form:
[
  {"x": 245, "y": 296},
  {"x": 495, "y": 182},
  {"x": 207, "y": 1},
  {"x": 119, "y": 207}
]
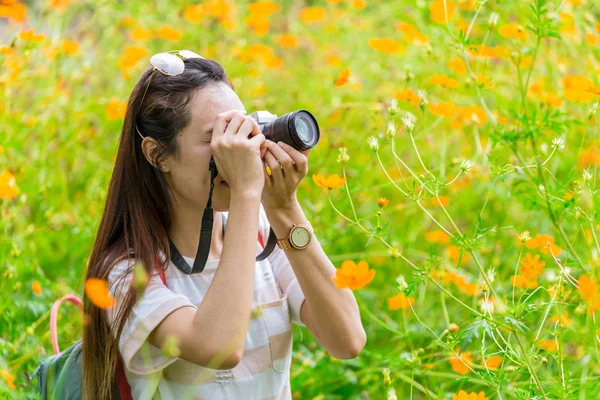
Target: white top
[{"x": 264, "y": 370}]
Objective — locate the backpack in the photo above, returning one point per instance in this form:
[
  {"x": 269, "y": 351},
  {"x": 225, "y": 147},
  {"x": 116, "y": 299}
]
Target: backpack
[{"x": 60, "y": 375}]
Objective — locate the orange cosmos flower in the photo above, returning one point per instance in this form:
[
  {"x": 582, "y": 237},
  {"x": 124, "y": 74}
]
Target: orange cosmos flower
[
  {"x": 342, "y": 78},
  {"x": 60, "y": 5},
  {"x": 31, "y": 36},
  {"x": 563, "y": 319},
  {"x": 168, "y": 33},
  {"x": 542, "y": 242},
  {"x": 462, "y": 395},
  {"x": 411, "y": 34},
  {"x": 8, "y": 186},
  {"x": 521, "y": 281},
  {"x": 438, "y": 12},
  {"x": 440, "y": 201},
  {"x": 588, "y": 290},
  {"x": 444, "y": 80},
  {"x": 458, "y": 66},
  {"x": 353, "y": 276},
  {"x": 115, "y": 109},
  {"x": 442, "y": 109},
  {"x": 532, "y": 266},
  {"x": 9, "y": 378},
  {"x": 386, "y": 45},
  {"x": 492, "y": 362},
  {"x": 400, "y": 302},
  {"x": 15, "y": 12},
  {"x": 438, "y": 236},
  {"x": 549, "y": 344},
  {"x": 69, "y": 47},
  {"x": 131, "y": 55},
  {"x": 195, "y": 13},
  {"x": 264, "y": 8},
  {"x": 408, "y": 95},
  {"x": 311, "y": 15},
  {"x": 258, "y": 23},
  {"x": 140, "y": 33},
  {"x": 461, "y": 363},
  {"x": 288, "y": 41},
  {"x": 382, "y": 202},
  {"x": 513, "y": 31},
  {"x": 359, "y": 4},
  {"x": 331, "y": 182},
  {"x": 97, "y": 291},
  {"x": 473, "y": 113},
  {"x": 575, "y": 88},
  {"x": 454, "y": 254},
  {"x": 598, "y": 27},
  {"x": 37, "y": 288}
]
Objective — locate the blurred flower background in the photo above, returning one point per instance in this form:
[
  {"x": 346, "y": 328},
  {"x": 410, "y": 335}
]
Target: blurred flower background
[{"x": 454, "y": 186}]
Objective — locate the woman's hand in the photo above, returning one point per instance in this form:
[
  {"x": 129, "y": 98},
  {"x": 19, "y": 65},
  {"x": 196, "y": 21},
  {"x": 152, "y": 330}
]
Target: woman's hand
[{"x": 279, "y": 191}]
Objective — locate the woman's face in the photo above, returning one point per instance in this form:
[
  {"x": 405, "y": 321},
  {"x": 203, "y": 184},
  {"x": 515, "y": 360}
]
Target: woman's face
[{"x": 189, "y": 175}]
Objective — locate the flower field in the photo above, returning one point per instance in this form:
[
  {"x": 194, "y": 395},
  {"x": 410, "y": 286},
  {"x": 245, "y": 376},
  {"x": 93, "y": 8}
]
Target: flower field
[{"x": 454, "y": 187}]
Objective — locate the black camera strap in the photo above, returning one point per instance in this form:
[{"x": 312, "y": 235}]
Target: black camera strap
[{"x": 206, "y": 235}]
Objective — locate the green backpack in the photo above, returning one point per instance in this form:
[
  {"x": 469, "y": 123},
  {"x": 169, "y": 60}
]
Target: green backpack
[{"x": 60, "y": 375}]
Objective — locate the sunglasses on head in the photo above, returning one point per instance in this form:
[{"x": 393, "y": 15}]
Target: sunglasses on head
[{"x": 168, "y": 63}]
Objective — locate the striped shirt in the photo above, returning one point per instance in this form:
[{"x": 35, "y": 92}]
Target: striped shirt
[{"x": 264, "y": 370}]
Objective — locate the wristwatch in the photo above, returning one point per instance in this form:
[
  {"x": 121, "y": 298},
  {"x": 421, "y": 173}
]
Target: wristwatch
[{"x": 299, "y": 237}]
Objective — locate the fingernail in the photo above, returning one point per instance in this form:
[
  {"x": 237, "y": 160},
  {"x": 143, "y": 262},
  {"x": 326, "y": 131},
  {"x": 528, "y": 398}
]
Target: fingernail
[{"x": 280, "y": 143}]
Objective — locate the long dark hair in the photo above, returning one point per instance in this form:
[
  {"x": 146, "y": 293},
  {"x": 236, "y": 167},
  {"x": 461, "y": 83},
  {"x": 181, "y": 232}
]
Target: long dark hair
[{"x": 136, "y": 218}]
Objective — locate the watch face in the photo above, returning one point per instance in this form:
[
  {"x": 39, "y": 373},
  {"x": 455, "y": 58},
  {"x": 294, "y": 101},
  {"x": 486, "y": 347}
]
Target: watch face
[{"x": 300, "y": 236}]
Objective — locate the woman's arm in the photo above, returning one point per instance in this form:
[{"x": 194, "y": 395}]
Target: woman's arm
[{"x": 213, "y": 335}]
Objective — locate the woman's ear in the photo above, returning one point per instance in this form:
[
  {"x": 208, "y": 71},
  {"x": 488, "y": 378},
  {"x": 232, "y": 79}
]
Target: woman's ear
[{"x": 152, "y": 153}]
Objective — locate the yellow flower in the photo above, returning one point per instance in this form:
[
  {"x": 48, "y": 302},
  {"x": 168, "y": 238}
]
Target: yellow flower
[
  {"x": 287, "y": 41},
  {"x": 400, "y": 302},
  {"x": 342, "y": 78},
  {"x": 331, "y": 182},
  {"x": 438, "y": 13},
  {"x": 140, "y": 33},
  {"x": 68, "y": 47},
  {"x": 382, "y": 202},
  {"x": 264, "y": 8},
  {"x": 444, "y": 80},
  {"x": 575, "y": 88},
  {"x": 353, "y": 276},
  {"x": 310, "y": 15},
  {"x": 513, "y": 31}
]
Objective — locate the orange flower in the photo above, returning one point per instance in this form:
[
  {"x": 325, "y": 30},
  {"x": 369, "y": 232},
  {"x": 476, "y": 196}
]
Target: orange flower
[
  {"x": 382, "y": 201},
  {"x": 442, "y": 109},
  {"x": 411, "y": 34},
  {"x": 438, "y": 236},
  {"x": 532, "y": 266},
  {"x": 461, "y": 363},
  {"x": 440, "y": 201},
  {"x": 473, "y": 113},
  {"x": 342, "y": 78},
  {"x": 168, "y": 33},
  {"x": 131, "y": 55},
  {"x": 8, "y": 186},
  {"x": 287, "y": 41},
  {"x": 542, "y": 242},
  {"x": 428, "y": 366},
  {"x": 458, "y": 66},
  {"x": 549, "y": 344},
  {"x": 408, "y": 95},
  {"x": 115, "y": 109},
  {"x": 36, "y": 287},
  {"x": 195, "y": 13},
  {"x": 140, "y": 33},
  {"x": 97, "y": 291},
  {"x": 60, "y": 5},
  {"x": 444, "y": 80},
  {"x": 454, "y": 254},
  {"x": 400, "y": 302},
  {"x": 575, "y": 88},
  {"x": 521, "y": 281},
  {"x": 588, "y": 290},
  {"x": 353, "y": 276},
  {"x": 9, "y": 378},
  {"x": 359, "y": 4},
  {"x": 598, "y": 27},
  {"x": 15, "y": 12},
  {"x": 31, "y": 36},
  {"x": 462, "y": 395},
  {"x": 311, "y": 15},
  {"x": 438, "y": 12},
  {"x": 68, "y": 47},
  {"x": 334, "y": 61},
  {"x": 264, "y": 8},
  {"x": 386, "y": 45},
  {"x": 593, "y": 90},
  {"x": 274, "y": 62},
  {"x": 563, "y": 319},
  {"x": 258, "y": 23},
  {"x": 331, "y": 182},
  {"x": 513, "y": 31},
  {"x": 492, "y": 362}
]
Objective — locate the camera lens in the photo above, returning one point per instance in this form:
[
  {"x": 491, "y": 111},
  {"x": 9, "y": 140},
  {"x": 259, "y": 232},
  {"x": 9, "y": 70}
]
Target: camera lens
[{"x": 298, "y": 129}]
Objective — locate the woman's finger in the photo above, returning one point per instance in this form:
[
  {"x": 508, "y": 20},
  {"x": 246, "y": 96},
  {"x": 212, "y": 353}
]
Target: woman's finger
[
  {"x": 223, "y": 119},
  {"x": 300, "y": 159},
  {"x": 274, "y": 168},
  {"x": 234, "y": 125},
  {"x": 284, "y": 158}
]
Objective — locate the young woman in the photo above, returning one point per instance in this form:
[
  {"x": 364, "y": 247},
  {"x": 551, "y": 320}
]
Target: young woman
[{"x": 232, "y": 322}]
